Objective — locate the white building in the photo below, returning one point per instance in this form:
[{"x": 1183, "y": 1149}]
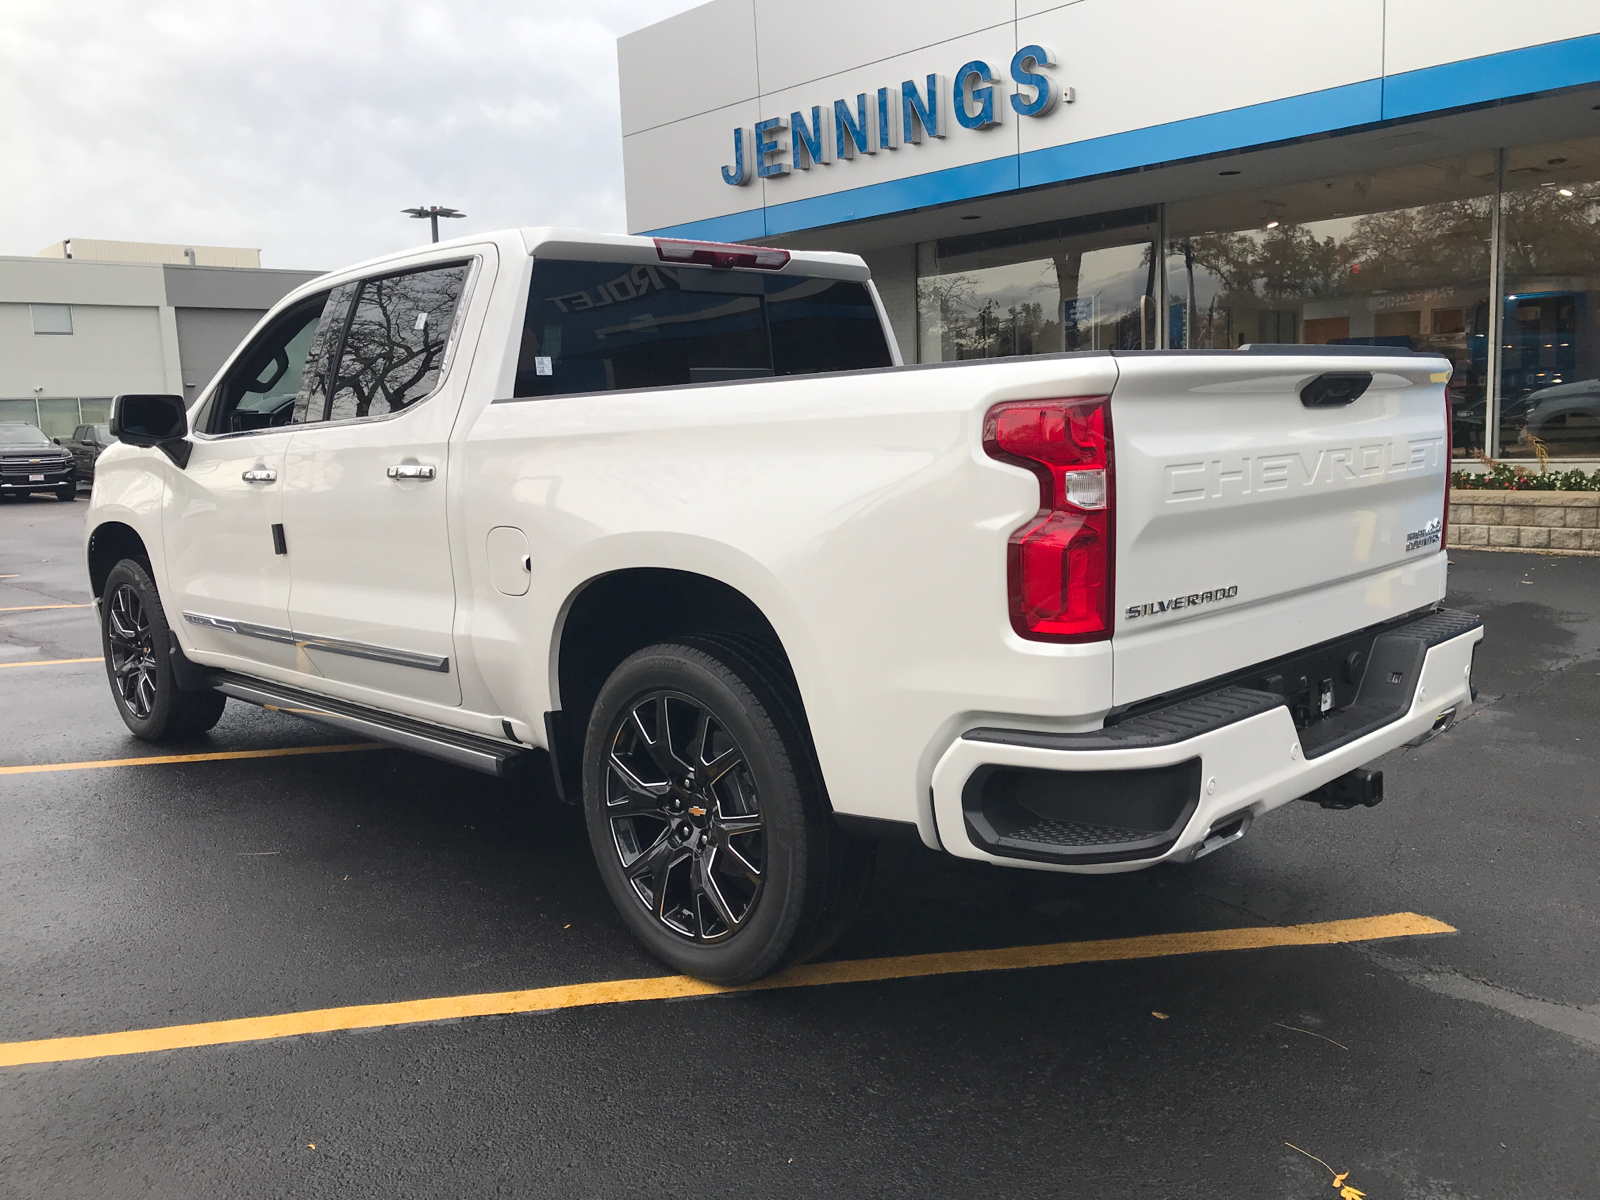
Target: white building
[
  {"x": 1419, "y": 172},
  {"x": 75, "y": 331}
]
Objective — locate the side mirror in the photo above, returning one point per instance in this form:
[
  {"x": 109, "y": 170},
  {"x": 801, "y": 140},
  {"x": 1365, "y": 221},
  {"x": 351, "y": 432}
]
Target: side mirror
[
  {"x": 57, "y": 441},
  {"x": 159, "y": 421}
]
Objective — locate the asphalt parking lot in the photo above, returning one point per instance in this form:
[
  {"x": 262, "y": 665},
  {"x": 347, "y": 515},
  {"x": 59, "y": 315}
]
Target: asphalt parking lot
[{"x": 1450, "y": 1065}]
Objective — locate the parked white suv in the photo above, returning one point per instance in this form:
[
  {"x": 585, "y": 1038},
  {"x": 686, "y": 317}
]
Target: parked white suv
[{"x": 672, "y": 519}]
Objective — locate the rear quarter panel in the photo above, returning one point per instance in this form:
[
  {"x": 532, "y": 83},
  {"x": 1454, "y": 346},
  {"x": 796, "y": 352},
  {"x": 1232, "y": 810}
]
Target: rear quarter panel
[{"x": 858, "y": 512}]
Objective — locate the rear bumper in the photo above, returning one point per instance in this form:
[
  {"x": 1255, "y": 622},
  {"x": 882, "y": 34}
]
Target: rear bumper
[{"x": 1182, "y": 774}]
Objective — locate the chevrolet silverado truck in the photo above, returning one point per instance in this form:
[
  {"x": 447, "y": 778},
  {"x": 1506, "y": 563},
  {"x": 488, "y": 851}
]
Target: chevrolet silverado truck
[
  {"x": 31, "y": 462},
  {"x": 672, "y": 521}
]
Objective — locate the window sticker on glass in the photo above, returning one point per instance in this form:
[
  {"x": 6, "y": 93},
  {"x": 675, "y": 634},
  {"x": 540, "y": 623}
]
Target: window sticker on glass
[
  {"x": 541, "y": 365},
  {"x": 422, "y": 321}
]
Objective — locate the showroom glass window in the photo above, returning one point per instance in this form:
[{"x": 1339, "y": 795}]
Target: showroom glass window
[
  {"x": 1550, "y": 323},
  {"x": 1080, "y": 284},
  {"x": 1390, "y": 258}
]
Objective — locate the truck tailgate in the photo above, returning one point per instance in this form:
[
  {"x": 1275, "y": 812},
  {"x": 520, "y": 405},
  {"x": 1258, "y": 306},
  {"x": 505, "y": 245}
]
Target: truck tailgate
[{"x": 1250, "y": 524}]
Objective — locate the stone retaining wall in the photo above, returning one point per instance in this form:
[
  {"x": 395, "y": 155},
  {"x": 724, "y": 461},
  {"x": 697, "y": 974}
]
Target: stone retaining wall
[{"x": 1525, "y": 520}]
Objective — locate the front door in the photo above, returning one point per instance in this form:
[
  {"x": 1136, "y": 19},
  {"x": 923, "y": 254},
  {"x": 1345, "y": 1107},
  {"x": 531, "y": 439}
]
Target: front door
[
  {"x": 81, "y": 443},
  {"x": 226, "y": 575},
  {"x": 373, "y": 598}
]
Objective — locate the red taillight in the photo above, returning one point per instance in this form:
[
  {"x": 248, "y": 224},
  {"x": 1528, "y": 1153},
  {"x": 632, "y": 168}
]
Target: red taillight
[
  {"x": 721, "y": 254},
  {"x": 1061, "y": 562}
]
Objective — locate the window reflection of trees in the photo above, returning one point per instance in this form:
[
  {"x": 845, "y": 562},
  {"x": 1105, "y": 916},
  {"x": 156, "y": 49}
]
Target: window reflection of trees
[
  {"x": 1405, "y": 248},
  {"x": 395, "y": 344},
  {"x": 975, "y": 314},
  {"x": 1415, "y": 276},
  {"x": 973, "y": 323}
]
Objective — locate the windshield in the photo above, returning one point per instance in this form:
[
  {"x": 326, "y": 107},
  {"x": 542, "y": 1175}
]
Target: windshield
[
  {"x": 104, "y": 433},
  {"x": 22, "y": 435}
]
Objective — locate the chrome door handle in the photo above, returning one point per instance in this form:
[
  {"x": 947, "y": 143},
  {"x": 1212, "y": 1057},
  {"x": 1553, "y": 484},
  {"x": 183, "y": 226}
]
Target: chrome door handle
[
  {"x": 413, "y": 471},
  {"x": 259, "y": 475}
]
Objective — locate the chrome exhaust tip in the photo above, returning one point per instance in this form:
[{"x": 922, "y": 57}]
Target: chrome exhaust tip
[
  {"x": 1440, "y": 723},
  {"x": 1223, "y": 832}
]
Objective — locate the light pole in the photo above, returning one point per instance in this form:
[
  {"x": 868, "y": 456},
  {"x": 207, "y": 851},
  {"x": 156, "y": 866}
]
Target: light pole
[{"x": 432, "y": 213}]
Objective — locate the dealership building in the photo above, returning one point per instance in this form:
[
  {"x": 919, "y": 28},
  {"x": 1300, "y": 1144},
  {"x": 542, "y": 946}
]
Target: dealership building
[
  {"x": 1026, "y": 177},
  {"x": 84, "y": 320}
]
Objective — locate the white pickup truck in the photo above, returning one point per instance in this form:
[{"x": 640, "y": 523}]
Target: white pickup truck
[{"x": 671, "y": 520}]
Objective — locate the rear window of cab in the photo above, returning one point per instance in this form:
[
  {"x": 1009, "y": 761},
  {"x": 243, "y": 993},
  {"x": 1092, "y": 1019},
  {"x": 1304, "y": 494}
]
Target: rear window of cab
[{"x": 599, "y": 327}]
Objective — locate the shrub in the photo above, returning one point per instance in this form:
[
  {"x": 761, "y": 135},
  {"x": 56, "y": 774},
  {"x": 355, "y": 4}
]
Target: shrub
[{"x": 1503, "y": 477}]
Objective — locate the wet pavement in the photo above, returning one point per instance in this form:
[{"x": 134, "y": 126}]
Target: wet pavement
[{"x": 1454, "y": 1066}]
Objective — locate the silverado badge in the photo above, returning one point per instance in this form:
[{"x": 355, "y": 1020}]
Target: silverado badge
[{"x": 1192, "y": 600}]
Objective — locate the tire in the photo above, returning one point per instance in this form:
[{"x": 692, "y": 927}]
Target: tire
[
  {"x": 136, "y": 639},
  {"x": 67, "y": 491},
  {"x": 728, "y": 873}
]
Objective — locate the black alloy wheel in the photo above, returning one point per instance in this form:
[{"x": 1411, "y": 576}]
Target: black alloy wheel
[
  {"x": 139, "y": 649},
  {"x": 707, "y": 813},
  {"x": 685, "y": 816},
  {"x": 132, "y": 657}
]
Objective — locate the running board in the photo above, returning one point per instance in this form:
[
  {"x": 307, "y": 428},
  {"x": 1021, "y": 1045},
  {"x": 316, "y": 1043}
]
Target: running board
[{"x": 463, "y": 749}]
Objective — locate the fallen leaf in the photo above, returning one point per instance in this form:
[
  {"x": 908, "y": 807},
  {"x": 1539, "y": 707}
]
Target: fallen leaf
[
  {"x": 311, "y": 1145},
  {"x": 566, "y": 927},
  {"x": 1158, "y": 1016},
  {"x": 1346, "y": 1192}
]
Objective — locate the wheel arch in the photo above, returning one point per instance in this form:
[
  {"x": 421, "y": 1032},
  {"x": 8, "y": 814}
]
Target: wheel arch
[
  {"x": 109, "y": 544},
  {"x": 612, "y": 615}
]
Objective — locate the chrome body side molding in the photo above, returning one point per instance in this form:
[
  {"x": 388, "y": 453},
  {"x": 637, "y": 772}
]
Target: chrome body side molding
[
  {"x": 384, "y": 654},
  {"x": 243, "y": 628}
]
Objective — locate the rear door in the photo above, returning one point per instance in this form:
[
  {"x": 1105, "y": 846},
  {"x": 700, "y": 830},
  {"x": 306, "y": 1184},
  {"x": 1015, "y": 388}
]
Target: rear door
[
  {"x": 364, "y": 501},
  {"x": 1260, "y": 510}
]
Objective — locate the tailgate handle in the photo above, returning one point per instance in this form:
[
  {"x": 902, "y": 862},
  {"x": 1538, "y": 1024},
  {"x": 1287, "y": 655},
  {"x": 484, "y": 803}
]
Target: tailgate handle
[{"x": 1335, "y": 389}]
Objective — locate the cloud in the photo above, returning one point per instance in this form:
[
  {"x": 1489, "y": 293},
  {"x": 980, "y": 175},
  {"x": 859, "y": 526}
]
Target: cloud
[{"x": 303, "y": 127}]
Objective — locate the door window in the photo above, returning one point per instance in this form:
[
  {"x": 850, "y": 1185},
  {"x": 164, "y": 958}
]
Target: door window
[
  {"x": 394, "y": 349},
  {"x": 270, "y": 385}
]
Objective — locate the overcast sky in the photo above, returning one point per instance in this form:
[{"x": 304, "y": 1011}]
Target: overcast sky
[{"x": 303, "y": 126}]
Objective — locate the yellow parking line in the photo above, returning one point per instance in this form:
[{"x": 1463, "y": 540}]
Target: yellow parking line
[
  {"x": 666, "y": 987},
  {"x": 52, "y": 662},
  {"x": 214, "y": 756},
  {"x": 37, "y": 607}
]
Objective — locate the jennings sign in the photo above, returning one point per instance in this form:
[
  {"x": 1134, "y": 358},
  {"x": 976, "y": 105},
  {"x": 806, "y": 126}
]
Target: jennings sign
[{"x": 893, "y": 117}]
